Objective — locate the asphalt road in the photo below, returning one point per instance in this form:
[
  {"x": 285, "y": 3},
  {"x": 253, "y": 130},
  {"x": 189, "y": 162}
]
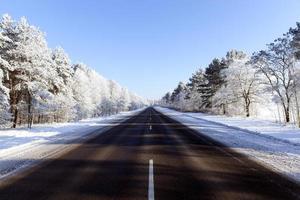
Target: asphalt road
[{"x": 116, "y": 165}]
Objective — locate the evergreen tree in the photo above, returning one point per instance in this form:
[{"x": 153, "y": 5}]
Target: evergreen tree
[
  {"x": 29, "y": 66},
  {"x": 166, "y": 98},
  {"x": 214, "y": 79},
  {"x": 178, "y": 96},
  {"x": 63, "y": 101},
  {"x": 198, "y": 91},
  {"x": 296, "y": 40}
]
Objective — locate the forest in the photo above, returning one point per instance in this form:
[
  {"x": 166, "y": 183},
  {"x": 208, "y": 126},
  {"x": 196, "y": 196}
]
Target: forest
[
  {"x": 42, "y": 85},
  {"x": 265, "y": 84}
]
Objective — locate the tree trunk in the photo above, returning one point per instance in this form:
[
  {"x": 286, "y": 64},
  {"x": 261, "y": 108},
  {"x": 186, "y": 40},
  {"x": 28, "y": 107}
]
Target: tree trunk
[
  {"x": 39, "y": 119},
  {"x": 287, "y": 114},
  {"x": 29, "y": 114},
  {"x": 31, "y": 120},
  {"x": 14, "y": 98},
  {"x": 286, "y": 109},
  {"x": 247, "y": 111},
  {"x": 297, "y": 108},
  {"x": 247, "y": 107},
  {"x": 223, "y": 109},
  {"x": 15, "y": 119},
  {"x": 296, "y": 99}
]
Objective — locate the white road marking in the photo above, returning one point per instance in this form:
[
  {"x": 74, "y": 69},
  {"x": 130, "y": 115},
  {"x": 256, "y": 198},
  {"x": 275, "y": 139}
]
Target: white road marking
[
  {"x": 151, "y": 181},
  {"x": 150, "y": 126}
]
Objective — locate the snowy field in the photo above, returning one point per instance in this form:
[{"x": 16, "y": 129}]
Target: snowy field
[
  {"x": 271, "y": 144},
  {"x": 22, "y": 147}
]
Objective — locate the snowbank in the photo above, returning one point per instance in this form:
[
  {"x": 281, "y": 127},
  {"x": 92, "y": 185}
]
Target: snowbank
[
  {"x": 273, "y": 145},
  {"x": 288, "y": 133},
  {"x": 22, "y": 147}
]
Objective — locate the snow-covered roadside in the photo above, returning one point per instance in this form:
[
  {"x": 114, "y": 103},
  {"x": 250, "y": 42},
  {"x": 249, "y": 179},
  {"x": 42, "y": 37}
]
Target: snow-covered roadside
[
  {"x": 21, "y": 147},
  {"x": 277, "y": 153},
  {"x": 287, "y": 133}
]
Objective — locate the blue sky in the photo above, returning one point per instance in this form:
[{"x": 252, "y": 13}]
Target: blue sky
[{"x": 151, "y": 45}]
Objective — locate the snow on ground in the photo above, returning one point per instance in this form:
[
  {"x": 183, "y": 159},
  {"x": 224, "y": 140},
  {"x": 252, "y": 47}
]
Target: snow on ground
[
  {"x": 267, "y": 128},
  {"x": 271, "y": 144},
  {"x": 22, "y": 147}
]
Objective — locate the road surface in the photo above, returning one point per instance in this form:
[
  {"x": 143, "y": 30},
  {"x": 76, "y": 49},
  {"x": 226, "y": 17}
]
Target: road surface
[{"x": 149, "y": 156}]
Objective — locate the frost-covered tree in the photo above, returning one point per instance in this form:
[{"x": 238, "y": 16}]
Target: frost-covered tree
[
  {"x": 234, "y": 84},
  {"x": 39, "y": 85},
  {"x": 115, "y": 96},
  {"x": 4, "y": 101},
  {"x": 276, "y": 64},
  {"x": 29, "y": 60},
  {"x": 214, "y": 78},
  {"x": 178, "y": 96},
  {"x": 136, "y": 102},
  {"x": 5, "y": 45},
  {"x": 62, "y": 83},
  {"x": 103, "y": 97},
  {"x": 199, "y": 91},
  {"x": 296, "y": 40},
  {"x": 241, "y": 81},
  {"x": 83, "y": 93},
  {"x": 167, "y": 98},
  {"x": 124, "y": 101},
  {"x": 4, "y": 91},
  {"x": 295, "y": 32}
]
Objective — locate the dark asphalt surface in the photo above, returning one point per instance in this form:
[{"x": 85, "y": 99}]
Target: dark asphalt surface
[{"x": 115, "y": 165}]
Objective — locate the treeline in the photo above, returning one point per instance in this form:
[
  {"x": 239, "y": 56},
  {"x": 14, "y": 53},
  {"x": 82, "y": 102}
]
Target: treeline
[
  {"x": 39, "y": 84},
  {"x": 265, "y": 84}
]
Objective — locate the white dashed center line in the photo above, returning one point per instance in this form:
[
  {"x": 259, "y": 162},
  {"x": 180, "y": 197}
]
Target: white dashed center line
[{"x": 151, "y": 181}]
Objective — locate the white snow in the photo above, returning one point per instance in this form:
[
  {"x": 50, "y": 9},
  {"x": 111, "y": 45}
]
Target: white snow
[
  {"x": 288, "y": 133},
  {"x": 22, "y": 147},
  {"x": 273, "y": 145}
]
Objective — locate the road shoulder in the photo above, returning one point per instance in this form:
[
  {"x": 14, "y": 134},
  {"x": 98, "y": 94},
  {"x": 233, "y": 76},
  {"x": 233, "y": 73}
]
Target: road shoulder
[
  {"x": 18, "y": 159},
  {"x": 277, "y": 155}
]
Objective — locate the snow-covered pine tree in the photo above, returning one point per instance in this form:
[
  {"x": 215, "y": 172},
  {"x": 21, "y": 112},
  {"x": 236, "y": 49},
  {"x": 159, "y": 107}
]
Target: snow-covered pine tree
[
  {"x": 296, "y": 40},
  {"x": 41, "y": 85},
  {"x": 29, "y": 60},
  {"x": 295, "y": 43},
  {"x": 198, "y": 91},
  {"x": 178, "y": 96},
  {"x": 82, "y": 91},
  {"x": 4, "y": 91},
  {"x": 214, "y": 78},
  {"x": 166, "y": 99},
  {"x": 4, "y": 101},
  {"x": 63, "y": 101}
]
